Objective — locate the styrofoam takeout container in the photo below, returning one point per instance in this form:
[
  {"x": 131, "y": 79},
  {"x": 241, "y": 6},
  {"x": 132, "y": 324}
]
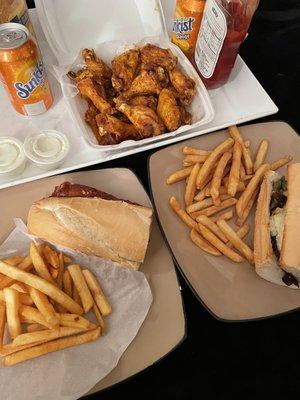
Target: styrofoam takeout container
[{"x": 70, "y": 25}]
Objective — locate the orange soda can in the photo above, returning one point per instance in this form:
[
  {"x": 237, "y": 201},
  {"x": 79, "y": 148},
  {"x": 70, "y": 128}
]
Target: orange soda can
[
  {"x": 186, "y": 25},
  {"x": 22, "y": 71}
]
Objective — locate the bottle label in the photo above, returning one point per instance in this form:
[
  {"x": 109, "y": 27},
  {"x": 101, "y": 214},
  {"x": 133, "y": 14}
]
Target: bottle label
[
  {"x": 182, "y": 27},
  {"x": 210, "y": 39}
]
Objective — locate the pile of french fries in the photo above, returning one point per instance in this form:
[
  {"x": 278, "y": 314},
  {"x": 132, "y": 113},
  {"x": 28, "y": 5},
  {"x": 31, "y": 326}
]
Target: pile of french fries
[
  {"x": 42, "y": 299},
  {"x": 217, "y": 180}
]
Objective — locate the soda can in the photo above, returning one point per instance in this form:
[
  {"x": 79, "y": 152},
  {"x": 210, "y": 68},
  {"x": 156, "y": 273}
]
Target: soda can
[{"x": 22, "y": 71}]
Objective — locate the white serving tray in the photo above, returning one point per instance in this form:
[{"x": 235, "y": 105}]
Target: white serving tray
[{"x": 240, "y": 100}]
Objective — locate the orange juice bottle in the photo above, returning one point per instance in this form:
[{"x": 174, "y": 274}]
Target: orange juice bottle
[{"x": 186, "y": 25}]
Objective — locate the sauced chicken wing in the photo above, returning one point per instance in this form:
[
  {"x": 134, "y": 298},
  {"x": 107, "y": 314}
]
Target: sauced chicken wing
[
  {"x": 124, "y": 69},
  {"x": 144, "y": 119},
  {"x": 186, "y": 117},
  {"x": 90, "y": 90},
  {"x": 151, "y": 54},
  {"x": 90, "y": 119},
  {"x": 112, "y": 130},
  {"x": 145, "y": 83},
  {"x": 168, "y": 110},
  {"x": 95, "y": 64},
  {"x": 184, "y": 85},
  {"x": 80, "y": 74},
  {"x": 147, "y": 101}
]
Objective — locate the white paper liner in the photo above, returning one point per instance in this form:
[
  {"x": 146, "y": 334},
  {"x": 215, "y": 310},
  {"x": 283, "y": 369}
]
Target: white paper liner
[{"x": 70, "y": 373}]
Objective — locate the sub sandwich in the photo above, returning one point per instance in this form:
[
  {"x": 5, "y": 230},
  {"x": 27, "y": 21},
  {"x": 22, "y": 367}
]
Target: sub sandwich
[
  {"x": 93, "y": 222},
  {"x": 277, "y": 228}
]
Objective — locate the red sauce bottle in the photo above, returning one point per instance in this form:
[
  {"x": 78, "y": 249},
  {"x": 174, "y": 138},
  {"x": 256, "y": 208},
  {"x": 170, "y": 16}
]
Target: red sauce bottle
[{"x": 223, "y": 28}]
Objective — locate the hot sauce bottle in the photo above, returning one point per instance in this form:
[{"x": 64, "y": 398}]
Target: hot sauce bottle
[
  {"x": 223, "y": 28},
  {"x": 186, "y": 24}
]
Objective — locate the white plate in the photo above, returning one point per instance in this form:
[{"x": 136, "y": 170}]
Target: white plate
[{"x": 240, "y": 100}]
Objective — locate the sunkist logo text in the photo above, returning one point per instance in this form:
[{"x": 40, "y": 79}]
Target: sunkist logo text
[
  {"x": 24, "y": 90},
  {"x": 182, "y": 27}
]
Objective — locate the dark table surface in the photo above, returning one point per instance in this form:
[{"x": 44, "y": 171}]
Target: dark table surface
[{"x": 249, "y": 359}]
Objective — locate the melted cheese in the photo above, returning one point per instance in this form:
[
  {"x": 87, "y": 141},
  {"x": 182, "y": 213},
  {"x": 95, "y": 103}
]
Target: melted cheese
[{"x": 277, "y": 225}]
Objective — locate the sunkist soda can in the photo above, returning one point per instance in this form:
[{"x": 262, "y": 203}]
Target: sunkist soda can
[{"x": 22, "y": 71}]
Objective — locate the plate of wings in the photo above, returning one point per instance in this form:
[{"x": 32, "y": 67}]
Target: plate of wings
[{"x": 143, "y": 94}]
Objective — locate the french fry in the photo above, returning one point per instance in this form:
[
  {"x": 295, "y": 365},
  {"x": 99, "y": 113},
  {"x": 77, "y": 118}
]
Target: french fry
[
  {"x": 217, "y": 178},
  {"x": 12, "y": 312},
  {"x": 211, "y": 160},
  {"x": 248, "y": 177},
  {"x": 261, "y": 154},
  {"x": 53, "y": 272},
  {"x": 59, "y": 279},
  {"x": 246, "y": 212},
  {"x": 35, "y": 327},
  {"x": 222, "y": 247},
  {"x": 97, "y": 293},
  {"x": 75, "y": 296},
  {"x": 227, "y": 215},
  {"x": 2, "y": 322},
  {"x": 280, "y": 163},
  {"x": 99, "y": 318},
  {"x": 215, "y": 209},
  {"x": 234, "y": 175},
  {"x": 19, "y": 287},
  {"x": 242, "y": 172},
  {"x": 24, "y": 298},
  {"x": 81, "y": 286},
  {"x": 193, "y": 159},
  {"x": 33, "y": 315},
  {"x": 67, "y": 283},
  {"x": 39, "y": 263},
  {"x": 236, "y": 241},
  {"x": 25, "y": 265},
  {"x": 240, "y": 188},
  {"x": 203, "y": 244},
  {"x": 45, "y": 307},
  {"x": 200, "y": 205},
  {"x": 14, "y": 260},
  {"x": 191, "y": 150},
  {"x": 182, "y": 214},
  {"x": 50, "y": 347},
  {"x": 222, "y": 191},
  {"x": 241, "y": 232},
  {"x": 41, "y": 284},
  {"x": 208, "y": 223},
  {"x": 235, "y": 134},
  {"x": 44, "y": 335},
  {"x": 191, "y": 185},
  {"x": 250, "y": 189},
  {"x": 51, "y": 256},
  {"x": 202, "y": 193},
  {"x": 179, "y": 175},
  {"x": 9, "y": 349},
  {"x": 73, "y": 321},
  {"x": 67, "y": 260}
]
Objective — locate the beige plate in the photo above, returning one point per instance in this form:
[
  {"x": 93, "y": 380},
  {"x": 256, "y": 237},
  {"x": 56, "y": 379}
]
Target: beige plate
[
  {"x": 230, "y": 291},
  {"x": 164, "y": 326}
]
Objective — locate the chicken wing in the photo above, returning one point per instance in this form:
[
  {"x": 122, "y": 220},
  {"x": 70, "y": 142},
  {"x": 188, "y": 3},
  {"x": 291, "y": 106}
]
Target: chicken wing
[
  {"x": 186, "y": 117},
  {"x": 113, "y": 131},
  {"x": 184, "y": 85},
  {"x": 145, "y": 83},
  {"x": 90, "y": 119},
  {"x": 124, "y": 69},
  {"x": 89, "y": 89},
  {"x": 95, "y": 64},
  {"x": 168, "y": 110},
  {"x": 151, "y": 54},
  {"x": 80, "y": 74},
  {"x": 147, "y": 101},
  {"x": 144, "y": 119}
]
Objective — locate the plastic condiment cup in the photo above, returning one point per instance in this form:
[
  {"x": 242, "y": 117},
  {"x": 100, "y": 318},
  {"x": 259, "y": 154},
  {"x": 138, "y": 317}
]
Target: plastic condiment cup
[
  {"x": 12, "y": 157},
  {"x": 47, "y": 149}
]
